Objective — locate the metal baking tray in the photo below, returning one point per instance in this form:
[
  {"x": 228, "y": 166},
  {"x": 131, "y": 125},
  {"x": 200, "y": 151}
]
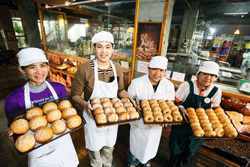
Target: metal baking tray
[
  {"x": 216, "y": 137},
  {"x": 118, "y": 122},
  {"x": 170, "y": 123},
  {"x": 15, "y": 136}
]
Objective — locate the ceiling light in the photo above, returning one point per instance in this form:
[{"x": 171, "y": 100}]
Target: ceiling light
[
  {"x": 106, "y": 3},
  {"x": 241, "y": 13},
  {"x": 46, "y": 6}
]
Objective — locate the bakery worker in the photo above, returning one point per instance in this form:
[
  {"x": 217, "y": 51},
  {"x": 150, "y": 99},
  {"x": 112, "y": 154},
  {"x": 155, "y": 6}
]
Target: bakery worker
[
  {"x": 99, "y": 78},
  {"x": 145, "y": 139},
  {"x": 38, "y": 91},
  {"x": 201, "y": 92}
]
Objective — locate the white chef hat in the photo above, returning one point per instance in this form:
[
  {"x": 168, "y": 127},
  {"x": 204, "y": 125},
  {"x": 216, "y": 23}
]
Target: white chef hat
[
  {"x": 31, "y": 55},
  {"x": 158, "y": 62},
  {"x": 102, "y": 36},
  {"x": 209, "y": 67}
]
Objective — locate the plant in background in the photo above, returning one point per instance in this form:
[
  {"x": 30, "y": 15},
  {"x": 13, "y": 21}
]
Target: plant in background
[{"x": 18, "y": 29}]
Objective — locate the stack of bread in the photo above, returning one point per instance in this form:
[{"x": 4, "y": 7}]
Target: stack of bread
[
  {"x": 210, "y": 123},
  {"x": 115, "y": 110},
  {"x": 241, "y": 121},
  {"x": 160, "y": 111},
  {"x": 43, "y": 123}
]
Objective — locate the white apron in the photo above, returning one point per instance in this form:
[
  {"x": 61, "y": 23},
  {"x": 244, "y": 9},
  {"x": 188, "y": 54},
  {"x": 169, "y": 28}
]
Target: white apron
[
  {"x": 58, "y": 153},
  {"x": 96, "y": 138},
  {"x": 145, "y": 139}
]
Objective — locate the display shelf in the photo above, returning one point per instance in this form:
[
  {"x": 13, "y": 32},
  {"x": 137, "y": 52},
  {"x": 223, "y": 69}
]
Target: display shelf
[{"x": 63, "y": 71}]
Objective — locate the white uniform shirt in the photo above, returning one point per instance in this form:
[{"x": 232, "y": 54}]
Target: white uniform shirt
[{"x": 184, "y": 90}]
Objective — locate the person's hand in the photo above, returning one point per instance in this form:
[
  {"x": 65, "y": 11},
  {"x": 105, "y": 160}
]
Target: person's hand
[
  {"x": 88, "y": 107},
  {"x": 9, "y": 134},
  {"x": 164, "y": 125},
  {"x": 137, "y": 106},
  {"x": 184, "y": 112}
]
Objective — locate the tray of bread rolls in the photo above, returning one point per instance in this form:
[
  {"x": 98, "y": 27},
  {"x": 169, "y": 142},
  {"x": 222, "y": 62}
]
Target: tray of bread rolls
[
  {"x": 160, "y": 112},
  {"x": 37, "y": 126},
  {"x": 210, "y": 124},
  {"x": 113, "y": 111}
]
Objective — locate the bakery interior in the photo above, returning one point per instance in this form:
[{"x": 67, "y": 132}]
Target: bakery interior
[{"x": 190, "y": 31}]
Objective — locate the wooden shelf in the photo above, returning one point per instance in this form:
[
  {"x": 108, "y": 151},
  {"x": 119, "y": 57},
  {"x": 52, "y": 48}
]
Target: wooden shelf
[{"x": 63, "y": 71}]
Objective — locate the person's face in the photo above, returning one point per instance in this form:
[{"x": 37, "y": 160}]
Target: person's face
[
  {"x": 155, "y": 75},
  {"x": 103, "y": 51},
  {"x": 205, "y": 79},
  {"x": 36, "y": 72}
]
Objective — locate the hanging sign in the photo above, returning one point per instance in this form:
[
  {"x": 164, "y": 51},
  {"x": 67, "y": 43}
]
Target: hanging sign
[
  {"x": 142, "y": 66},
  {"x": 178, "y": 76}
]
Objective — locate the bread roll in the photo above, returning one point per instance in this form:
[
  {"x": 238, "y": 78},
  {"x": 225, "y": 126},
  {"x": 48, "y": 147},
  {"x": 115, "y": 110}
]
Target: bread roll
[
  {"x": 156, "y": 109},
  {"x": 200, "y": 110},
  {"x": 101, "y": 119},
  {"x": 127, "y": 104},
  {"x": 98, "y": 111},
  {"x": 152, "y": 101},
  {"x": 95, "y": 100},
  {"x": 120, "y": 110},
  {"x": 117, "y": 104},
  {"x": 158, "y": 117},
  {"x": 48, "y": 106},
  {"x": 144, "y": 101},
  {"x": 170, "y": 103},
  {"x": 199, "y": 133},
  {"x": 25, "y": 142},
  {"x": 33, "y": 112},
  {"x": 112, "y": 117},
  {"x": 133, "y": 114},
  {"x": 37, "y": 122},
  {"x": 109, "y": 110},
  {"x": 67, "y": 112},
  {"x": 125, "y": 99},
  {"x": 154, "y": 105},
  {"x": 123, "y": 116},
  {"x": 107, "y": 104},
  {"x": 64, "y": 104},
  {"x": 143, "y": 105},
  {"x": 58, "y": 127},
  {"x": 105, "y": 99},
  {"x": 74, "y": 121},
  {"x": 19, "y": 126},
  {"x": 130, "y": 109},
  {"x": 97, "y": 106},
  {"x": 43, "y": 134},
  {"x": 190, "y": 109},
  {"x": 148, "y": 117},
  {"x": 161, "y": 101},
  {"x": 167, "y": 117},
  {"x": 53, "y": 115},
  {"x": 115, "y": 99}
]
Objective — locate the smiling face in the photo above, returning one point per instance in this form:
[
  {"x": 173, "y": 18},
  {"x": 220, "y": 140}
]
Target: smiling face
[
  {"x": 36, "y": 72},
  {"x": 205, "y": 79},
  {"x": 103, "y": 51},
  {"x": 155, "y": 75}
]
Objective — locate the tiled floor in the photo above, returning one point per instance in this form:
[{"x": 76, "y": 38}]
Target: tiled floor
[{"x": 11, "y": 79}]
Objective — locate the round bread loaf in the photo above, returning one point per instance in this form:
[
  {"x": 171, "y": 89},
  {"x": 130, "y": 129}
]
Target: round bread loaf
[
  {"x": 98, "y": 111},
  {"x": 123, "y": 116},
  {"x": 43, "y": 134},
  {"x": 105, "y": 99},
  {"x": 115, "y": 99},
  {"x": 95, "y": 100},
  {"x": 67, "y": 112},
  {"x": 133, "y": 115},
  {"x": 101, "y": 119},
  {"x": 112, "y": 117},
  {"x": 48, "y": 106},
  {"x": 25, "y": 142},
  {"x": 74, "y": 121},
  {"x": 37, "y": 122},
  {"x": 19, "y": 126},
  {"x": 117, "y": 104},
  {"x": 125, "y": 99},
  {"x": 33, "y": 112},
  {"x": 64, "y": 104},
  {"x": 53, "y": 115},
  {"x": 120, "y": 110},
  {"x": 130, "y": 109},
  {"x": 58, "y": 127}
]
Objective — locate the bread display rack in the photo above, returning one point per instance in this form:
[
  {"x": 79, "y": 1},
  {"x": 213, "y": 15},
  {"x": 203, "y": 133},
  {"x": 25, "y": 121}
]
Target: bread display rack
[{"x": 22, "y": 115}]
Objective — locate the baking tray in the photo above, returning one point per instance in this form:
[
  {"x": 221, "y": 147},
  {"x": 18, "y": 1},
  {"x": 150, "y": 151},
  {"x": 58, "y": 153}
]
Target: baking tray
[
  {"x": 216, "y": 137},
  {"x": 118, "y": 122},
  {"x": 161, "y": 123},
  {"x": 15, "y": 136}
]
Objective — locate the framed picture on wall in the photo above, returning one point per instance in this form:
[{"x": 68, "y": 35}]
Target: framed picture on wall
[
  {"x": 10, "y": 35},
  {"x": 148, "y": 40}
]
